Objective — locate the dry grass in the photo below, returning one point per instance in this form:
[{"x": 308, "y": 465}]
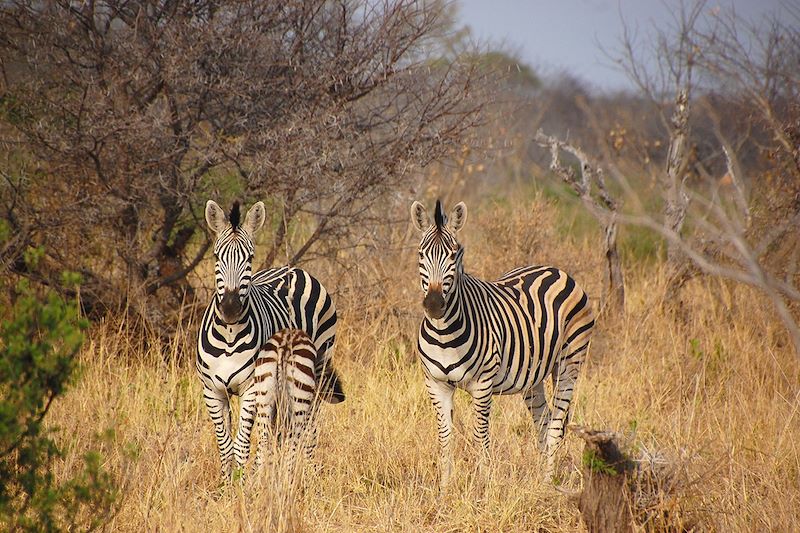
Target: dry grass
[{"x": 713, "y": 385}]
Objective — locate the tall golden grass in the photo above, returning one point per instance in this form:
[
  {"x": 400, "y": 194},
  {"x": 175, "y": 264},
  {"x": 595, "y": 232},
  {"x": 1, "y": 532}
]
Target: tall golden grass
[{"x": 713, "y": 385}]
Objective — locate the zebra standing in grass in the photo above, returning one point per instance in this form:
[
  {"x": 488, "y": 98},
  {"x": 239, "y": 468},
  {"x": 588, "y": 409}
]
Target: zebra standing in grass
[
  {"x": 243, "y": 314},
  {"x": 286, "y": 394},
  {"x": 500, "y": 337}
]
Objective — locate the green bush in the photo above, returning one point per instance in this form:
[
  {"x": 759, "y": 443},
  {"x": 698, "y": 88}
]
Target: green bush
[{"x": 40, "y": 334}]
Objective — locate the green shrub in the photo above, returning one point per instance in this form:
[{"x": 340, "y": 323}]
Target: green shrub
[
  {"x": 40, "y": 334},
  {"x": 595, "y": 463}
]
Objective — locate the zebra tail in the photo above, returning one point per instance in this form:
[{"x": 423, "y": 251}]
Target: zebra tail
[{"x": 330, "y": 388}]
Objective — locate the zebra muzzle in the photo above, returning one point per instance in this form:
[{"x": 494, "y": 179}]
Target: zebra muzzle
[
  {"x": 434, "y": 304},
  {"x": 230, "y": 306}
]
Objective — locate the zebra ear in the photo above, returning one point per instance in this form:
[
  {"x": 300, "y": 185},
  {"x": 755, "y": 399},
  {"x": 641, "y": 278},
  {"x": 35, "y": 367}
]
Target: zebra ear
[
  {"x": 215, "y": 217},
  {"x": 458, "y": 216},
  {"x": 419, "y": 216},
  {"x": 255, "y": 218}
]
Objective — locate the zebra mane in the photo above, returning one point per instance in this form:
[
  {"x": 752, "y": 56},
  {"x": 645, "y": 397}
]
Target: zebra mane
[
  {"x": 438, "y": 215},
  {"x": 235, "y": 216}
]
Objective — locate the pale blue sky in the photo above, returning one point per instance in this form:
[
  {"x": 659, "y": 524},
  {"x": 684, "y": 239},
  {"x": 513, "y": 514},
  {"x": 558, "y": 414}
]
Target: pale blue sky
[{"x": 553, "y": 35}]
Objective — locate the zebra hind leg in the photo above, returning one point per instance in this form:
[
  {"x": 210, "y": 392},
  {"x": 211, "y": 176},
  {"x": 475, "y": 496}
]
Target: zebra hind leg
[
  {"x": 330, "y": 384},
  {"x": 564, "y": 378},
  {"x": 299, "y": 441},
  {"x": 266, "y": 430},
  {"x": 265, "y": 387},
  {"x": 536, "y": 402},
  {"x": 310, "y": 433}
]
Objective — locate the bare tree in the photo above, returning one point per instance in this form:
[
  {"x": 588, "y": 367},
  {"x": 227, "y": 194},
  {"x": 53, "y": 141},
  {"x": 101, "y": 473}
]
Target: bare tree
[
  {"x": 674, "y": 53},
  {"x": 119, "y": 118},
  {"x": 744, "y": 226},
  {"x": 590, "y": 186}
]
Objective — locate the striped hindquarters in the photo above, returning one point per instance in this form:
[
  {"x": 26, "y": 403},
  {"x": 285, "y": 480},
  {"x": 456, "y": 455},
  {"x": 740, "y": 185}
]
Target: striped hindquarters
[
  {"x": 312, "y": 310},
  {"x": 286, "y": 387}
]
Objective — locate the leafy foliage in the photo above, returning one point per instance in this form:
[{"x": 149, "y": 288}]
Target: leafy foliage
[{"x": 39, "y": 339}]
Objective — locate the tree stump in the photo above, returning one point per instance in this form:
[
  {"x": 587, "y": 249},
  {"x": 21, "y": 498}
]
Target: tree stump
[{"x": 605, "y": 503}]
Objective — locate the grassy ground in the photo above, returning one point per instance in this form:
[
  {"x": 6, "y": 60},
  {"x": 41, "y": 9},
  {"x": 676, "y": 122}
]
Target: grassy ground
[{"x": 712, "y": 384}]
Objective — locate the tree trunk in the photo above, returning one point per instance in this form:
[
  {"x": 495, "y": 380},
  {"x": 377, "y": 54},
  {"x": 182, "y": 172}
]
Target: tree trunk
[
  {"x": 605, "y": 503},
  {"x": 615, "y": 283},
  {"x": 590, "y": 186},
  {"x": 676, "y": 201}
]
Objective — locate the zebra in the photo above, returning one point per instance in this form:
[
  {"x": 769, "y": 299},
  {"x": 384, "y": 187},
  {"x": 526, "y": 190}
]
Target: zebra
[
  {"x": 244, "y": 313},
  {"x": 499, "y": 337},
  {"x": 286, "y": 394}
]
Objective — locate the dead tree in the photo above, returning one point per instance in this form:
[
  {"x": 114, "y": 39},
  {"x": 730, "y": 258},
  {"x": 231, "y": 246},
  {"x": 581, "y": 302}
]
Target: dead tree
[
  {"x": 589, "y": 184},
  {"x": 605, "y": 502},
  {"x": 755, "y": 64},
  {"x": 676, "y": 201},
  {"x": 675, "y": 57}
]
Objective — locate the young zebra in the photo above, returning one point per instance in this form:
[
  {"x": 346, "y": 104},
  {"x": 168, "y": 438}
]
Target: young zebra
[
  {"x": 286, "y": 388},
  {"x": 500, "y": 337},
  {"x": 244, "y": 313}
]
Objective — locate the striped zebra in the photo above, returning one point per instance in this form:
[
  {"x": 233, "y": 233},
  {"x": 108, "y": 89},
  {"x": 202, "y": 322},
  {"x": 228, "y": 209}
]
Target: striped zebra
[
  {"x": 244, "y": 313},
  {"x": 286, "y": 390},
  {"x": 499, "y": 337}
]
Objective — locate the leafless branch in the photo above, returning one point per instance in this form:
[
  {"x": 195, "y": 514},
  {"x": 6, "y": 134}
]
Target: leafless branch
[{"x": 590, "y": 186}]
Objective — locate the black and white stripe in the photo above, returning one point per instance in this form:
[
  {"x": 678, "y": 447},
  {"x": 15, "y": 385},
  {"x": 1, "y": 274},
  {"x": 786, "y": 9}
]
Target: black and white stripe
[
  {"x": 286, "y": 395},
  {"x": 244, "y": 313},
  {"x": 499, "y": 337}
]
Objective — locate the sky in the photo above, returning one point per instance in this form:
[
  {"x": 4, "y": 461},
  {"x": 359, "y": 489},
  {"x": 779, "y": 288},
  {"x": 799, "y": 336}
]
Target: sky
[{"x": 570, "y": 35}]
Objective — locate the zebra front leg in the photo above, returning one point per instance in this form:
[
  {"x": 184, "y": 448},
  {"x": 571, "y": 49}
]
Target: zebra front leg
[
  {"x": 247, "y": 416},
  {"x": 441, "y": 395},
  {"x": 536, "y": 402},
  {"x": 218, "y": 406},
  {"x": 482, "y": 405}
]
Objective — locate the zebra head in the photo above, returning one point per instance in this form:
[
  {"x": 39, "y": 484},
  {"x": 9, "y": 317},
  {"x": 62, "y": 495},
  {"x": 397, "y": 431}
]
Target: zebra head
[
  {"x": 233, "y": 251},
  {"x": 440, "y": 254}
]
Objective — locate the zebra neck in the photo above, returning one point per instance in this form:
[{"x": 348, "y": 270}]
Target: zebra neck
[{"x": 232, "y": 330}]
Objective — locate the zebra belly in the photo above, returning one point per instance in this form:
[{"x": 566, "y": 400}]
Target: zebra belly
[
  {"x": 513, "y": 388},
  {"x": 517, "y": 373}
]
